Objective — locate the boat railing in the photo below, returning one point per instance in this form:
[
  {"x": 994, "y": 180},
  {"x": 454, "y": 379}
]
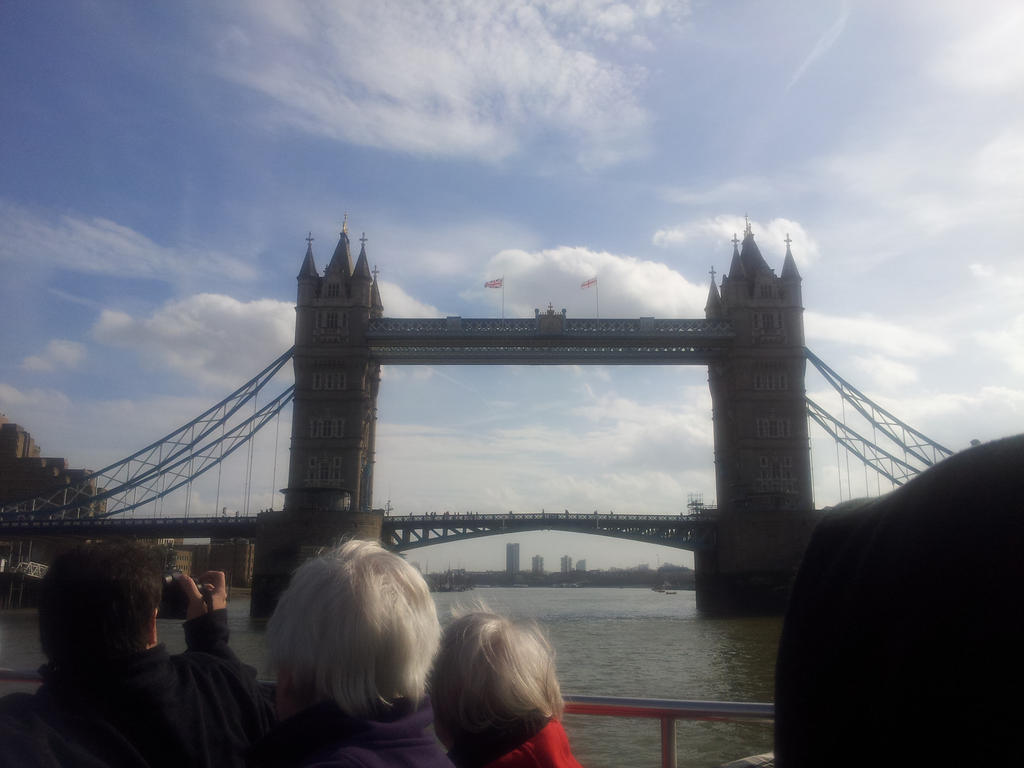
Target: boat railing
[{"x": 666, "y": 711}]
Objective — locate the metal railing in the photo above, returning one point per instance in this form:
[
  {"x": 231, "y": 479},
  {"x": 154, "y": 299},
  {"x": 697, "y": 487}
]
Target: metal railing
[{"x": 667, "y": 711}]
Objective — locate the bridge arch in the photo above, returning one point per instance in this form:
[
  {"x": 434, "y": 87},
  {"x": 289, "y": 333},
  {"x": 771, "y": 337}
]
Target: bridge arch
[{"x": 693, "y": 533}]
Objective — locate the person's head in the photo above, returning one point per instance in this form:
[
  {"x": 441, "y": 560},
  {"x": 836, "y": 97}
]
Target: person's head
[
  {"x": 493, "y": 675},
  {"x": 98, "y": 602},
  {"x": 357, "y": 626}
]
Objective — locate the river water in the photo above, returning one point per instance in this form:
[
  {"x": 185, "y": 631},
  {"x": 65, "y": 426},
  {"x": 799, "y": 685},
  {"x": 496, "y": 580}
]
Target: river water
[{"x": 609, "y": 642}]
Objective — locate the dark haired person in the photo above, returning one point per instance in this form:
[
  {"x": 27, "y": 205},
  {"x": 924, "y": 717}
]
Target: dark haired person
[
  {"x": 904, "y": 639},
  {"x": 111, "y": 694}
]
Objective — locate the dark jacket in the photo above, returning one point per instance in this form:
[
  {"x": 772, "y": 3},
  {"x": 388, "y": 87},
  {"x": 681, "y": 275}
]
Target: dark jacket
[
  {"x": 200, "y": 708},
  {"x": 904, "y": 639},
  {"x": 546, "y": 748},
  {"x": 326, "y": 737}
]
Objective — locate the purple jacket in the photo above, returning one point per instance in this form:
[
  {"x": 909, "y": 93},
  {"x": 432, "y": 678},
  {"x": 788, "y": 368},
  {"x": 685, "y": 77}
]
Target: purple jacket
[{"x": 325, "y": 737}]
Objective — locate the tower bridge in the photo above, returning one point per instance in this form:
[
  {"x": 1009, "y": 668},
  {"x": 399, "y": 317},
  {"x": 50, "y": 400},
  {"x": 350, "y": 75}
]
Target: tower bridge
[{"x": 751, "y": 340}]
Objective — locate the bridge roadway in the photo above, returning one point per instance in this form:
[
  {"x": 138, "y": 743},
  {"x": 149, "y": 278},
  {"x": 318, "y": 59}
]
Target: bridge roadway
[
  {"x": 399, "y": 532},
  {"x": 548, "y": 339}
]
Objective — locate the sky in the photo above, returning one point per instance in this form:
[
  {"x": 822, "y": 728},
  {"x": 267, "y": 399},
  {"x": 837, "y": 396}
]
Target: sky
[{"x": 162, "y": 165}]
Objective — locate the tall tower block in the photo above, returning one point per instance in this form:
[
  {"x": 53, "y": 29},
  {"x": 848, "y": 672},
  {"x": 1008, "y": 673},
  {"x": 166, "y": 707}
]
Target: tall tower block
[
  {"x": 762, "y": 454},
  {"x": 330, "y": 470}
]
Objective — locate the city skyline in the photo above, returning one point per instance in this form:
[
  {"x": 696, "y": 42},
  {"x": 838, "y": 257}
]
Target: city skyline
[{"x": 164, "y": 167}]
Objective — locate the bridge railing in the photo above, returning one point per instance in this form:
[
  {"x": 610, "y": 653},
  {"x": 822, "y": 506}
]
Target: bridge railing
[
  {"x": 99, "y": 523},
  {"x": 433, "y": 517},
  {"x": 666, "y": 711},
  {"x": 394, "y": 327}
]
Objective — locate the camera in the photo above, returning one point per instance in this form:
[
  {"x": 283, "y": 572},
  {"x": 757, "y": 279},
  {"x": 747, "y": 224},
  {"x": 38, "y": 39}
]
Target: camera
[{"x": 174, "y": 601}]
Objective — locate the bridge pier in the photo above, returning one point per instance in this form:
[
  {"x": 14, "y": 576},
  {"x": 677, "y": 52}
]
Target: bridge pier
[
  {"x": 752, "y": 565},
  {"x": 287, "y": 538}
]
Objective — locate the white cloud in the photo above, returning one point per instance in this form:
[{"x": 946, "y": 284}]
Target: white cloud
[
  {"x": 988, "y": 56},
  {"x": 743, "y": 189},
  {"x": 401, "y": 304},
  {"x": 1006, "y": 343},
  {"x": 770, "y": 237},
  {"x": 99, "y": 246},
  {"x": 627, "y": 286},
  {"x": 997, "y": 165},
  {"x": 975, "y": 186},
  {"x": 59, "y": 353},
  {"x": 886, "y": 338},
  {"x": 212, "y": 339},
  {"x": 884, "y": 373},
  {"x": 13, "y": 399},
  {"x": 447, "y": 77}
]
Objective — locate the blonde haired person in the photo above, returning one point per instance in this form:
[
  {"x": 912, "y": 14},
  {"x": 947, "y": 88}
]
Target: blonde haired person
[
  {"x": 352, "y": 640},
  {"x": 496, "y": 697}
]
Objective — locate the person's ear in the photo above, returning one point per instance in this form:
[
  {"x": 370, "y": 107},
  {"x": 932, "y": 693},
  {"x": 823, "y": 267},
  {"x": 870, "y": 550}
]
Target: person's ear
[
  {"x": 151, "y": 634},
  {"x": 285, "y": 698}
]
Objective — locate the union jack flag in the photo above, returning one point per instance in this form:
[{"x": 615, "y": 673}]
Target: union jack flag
[
  {"x": 500, "y": 282},
  {"x": 588, "y": 283}
]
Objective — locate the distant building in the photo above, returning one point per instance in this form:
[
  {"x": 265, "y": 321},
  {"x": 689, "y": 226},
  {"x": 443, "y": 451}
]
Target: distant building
[
  {"x": 235, "y": 557},
  {"x": 566, "y": 564},
  {"x": 181, "y": 560},
  {"x": 581, "y": 565},
  {"x": 537, "y": 565},
  {"x": 512, "y": 559},
  {"x": 25, "y": 473}
]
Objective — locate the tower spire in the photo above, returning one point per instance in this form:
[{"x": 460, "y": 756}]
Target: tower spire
[
  {"x": 308, "y": 268},
  {"x": 713, "y": 306},
  {"x": 362, "y": 269},
  {"x": 341, "y": 261},
  {"x": 789, "y": 270},
  {"x": 736, "y": 271}
]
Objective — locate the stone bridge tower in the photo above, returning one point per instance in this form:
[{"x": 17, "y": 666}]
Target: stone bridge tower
[
  {"x": 330, "y": 471},
  {"x": 762, "y": 453}
]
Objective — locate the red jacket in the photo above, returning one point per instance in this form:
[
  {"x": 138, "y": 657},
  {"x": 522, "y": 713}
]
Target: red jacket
[{"x": 548, "y": 749}]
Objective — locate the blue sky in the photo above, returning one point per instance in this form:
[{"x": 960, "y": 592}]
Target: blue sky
[{"x": 162, "y": 166}]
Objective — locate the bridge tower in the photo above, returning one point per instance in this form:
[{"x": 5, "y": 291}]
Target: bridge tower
[
  {"x": 762, "y": 453},
  {"x": 330, "y": 470}
]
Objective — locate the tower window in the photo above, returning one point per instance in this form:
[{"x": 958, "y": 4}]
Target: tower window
[
  {"x": 770, "y": 376},
  {"x": 776, "y": 474},
  {"x": 328, "y": 380},
  {"x": 771, "y": 427},
  {"x": 326, "y": 428},
  {"x": 332, "y": 290}
]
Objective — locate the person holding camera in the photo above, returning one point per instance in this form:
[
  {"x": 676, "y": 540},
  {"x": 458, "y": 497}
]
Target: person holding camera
[{"x": 111, "y": 693}]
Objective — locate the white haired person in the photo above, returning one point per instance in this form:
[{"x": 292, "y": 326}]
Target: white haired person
[
  {"x": 352, "y": 640},
  {"x": 496, "y": 698}
]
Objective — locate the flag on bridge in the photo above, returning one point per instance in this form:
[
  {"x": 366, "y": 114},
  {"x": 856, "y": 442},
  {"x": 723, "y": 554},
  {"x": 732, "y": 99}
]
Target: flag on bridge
[
  {"x": 588, "y": 283},
  {"x": 499, "y": 283}
]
